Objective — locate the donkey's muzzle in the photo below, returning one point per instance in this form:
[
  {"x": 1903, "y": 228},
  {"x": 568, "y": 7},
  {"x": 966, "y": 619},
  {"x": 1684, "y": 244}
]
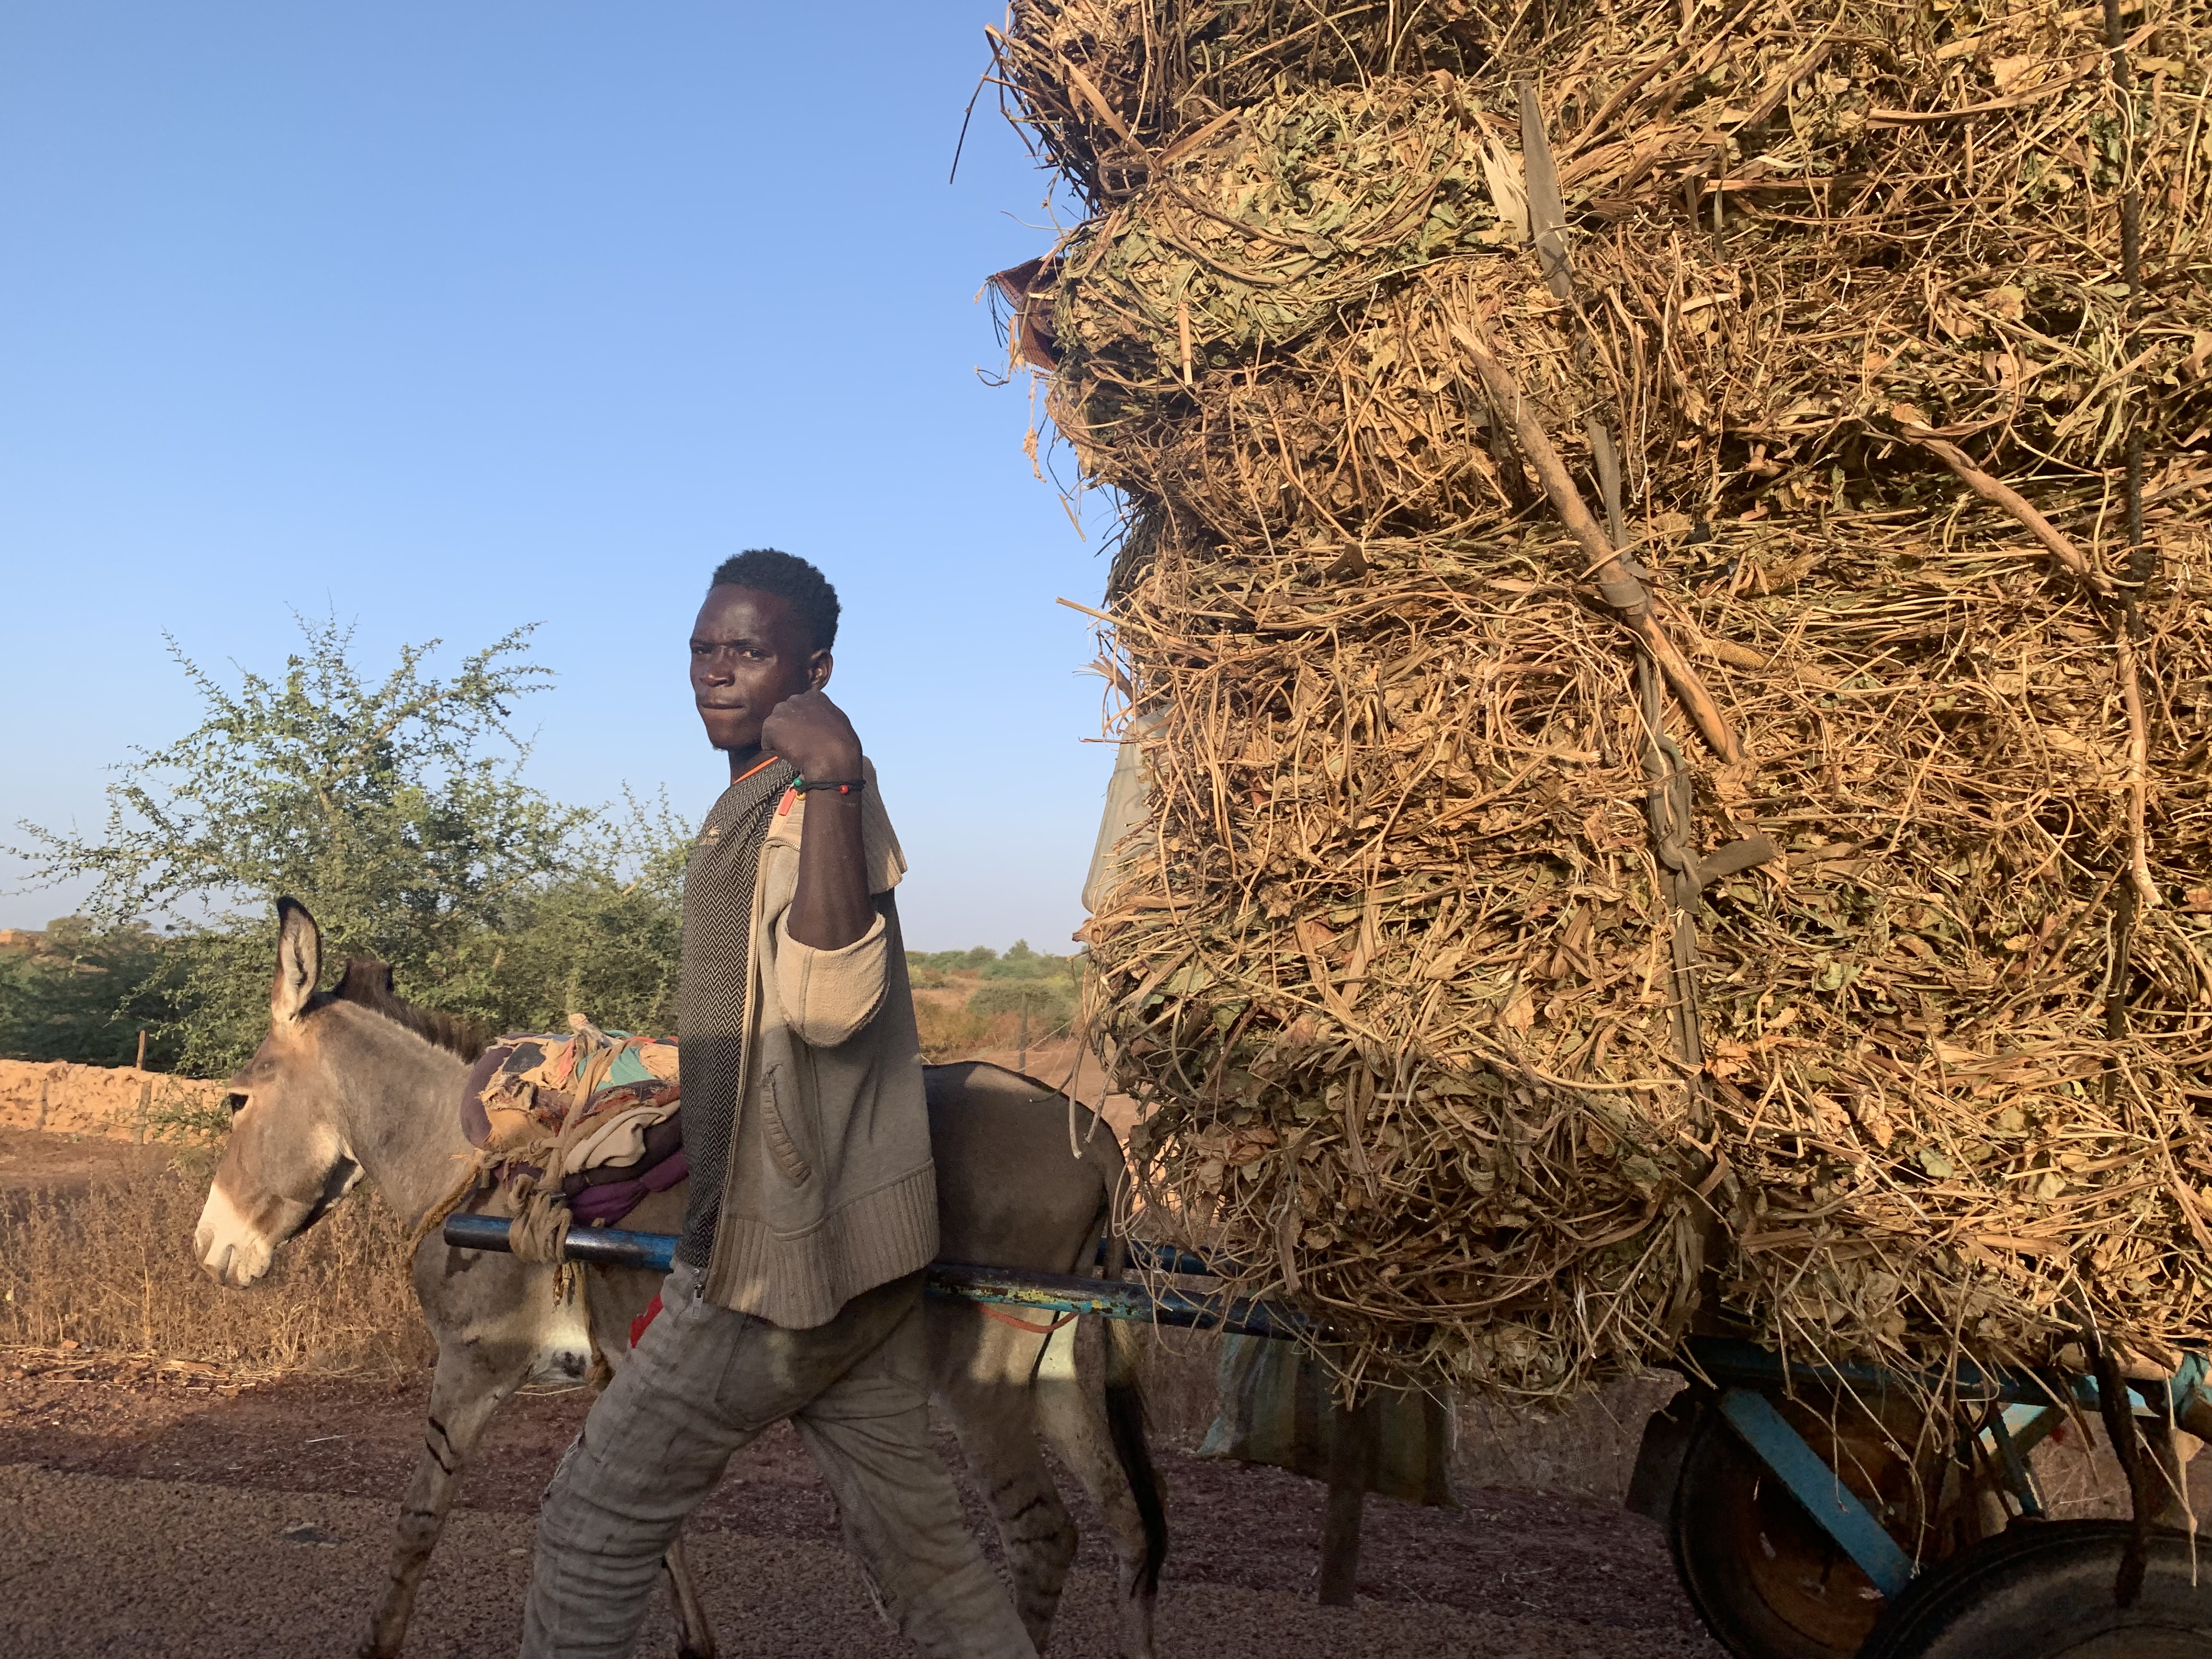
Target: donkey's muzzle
[{"x": 231, "y": 1248}]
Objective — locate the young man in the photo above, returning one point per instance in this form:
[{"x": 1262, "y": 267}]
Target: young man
[{"x": 797, "y": 1291}]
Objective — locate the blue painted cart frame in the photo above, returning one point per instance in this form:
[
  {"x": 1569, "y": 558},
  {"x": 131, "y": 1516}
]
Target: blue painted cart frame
[
  {"x": 2020, "y": 1407},
  {"x": 1743, "y": 1377}
]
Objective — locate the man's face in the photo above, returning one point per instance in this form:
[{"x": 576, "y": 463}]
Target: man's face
[{"x": 749, "y": 652}]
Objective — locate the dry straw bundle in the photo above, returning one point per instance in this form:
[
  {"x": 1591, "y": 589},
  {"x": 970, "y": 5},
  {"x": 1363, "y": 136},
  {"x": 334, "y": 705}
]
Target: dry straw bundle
[{"x": 1678, "y": 751}]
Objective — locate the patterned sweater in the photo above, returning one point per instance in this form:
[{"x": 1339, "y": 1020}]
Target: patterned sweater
[{"x": 802, "y": 1073}]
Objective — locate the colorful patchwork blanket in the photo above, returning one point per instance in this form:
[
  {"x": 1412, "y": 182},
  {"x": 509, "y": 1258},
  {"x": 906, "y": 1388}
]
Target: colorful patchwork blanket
[{"x": 594, "y": 1115}]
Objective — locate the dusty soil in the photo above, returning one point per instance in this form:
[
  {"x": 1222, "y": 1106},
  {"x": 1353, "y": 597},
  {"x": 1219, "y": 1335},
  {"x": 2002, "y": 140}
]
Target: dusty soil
[
  {"x": 165, "y": 1508},
  {"x": 144, "y": 1509},
  {"x": 51, "y": 1162}
]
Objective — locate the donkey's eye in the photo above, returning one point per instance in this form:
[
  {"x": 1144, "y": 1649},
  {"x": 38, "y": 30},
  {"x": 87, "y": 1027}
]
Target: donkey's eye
[{"x": 236, "y": 1102}]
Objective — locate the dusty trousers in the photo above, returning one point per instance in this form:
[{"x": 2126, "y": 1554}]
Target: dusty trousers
[{"x": 704, "y": 1381}]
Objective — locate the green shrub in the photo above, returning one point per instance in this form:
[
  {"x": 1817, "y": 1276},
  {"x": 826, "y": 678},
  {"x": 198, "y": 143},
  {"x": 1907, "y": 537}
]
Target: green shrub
[
  {"x": 1051, "y": 1002},
  {"x": 949, "y": 1033},
  {"x": 86, "y": 993},
  {"x": 395, "y": 809}
]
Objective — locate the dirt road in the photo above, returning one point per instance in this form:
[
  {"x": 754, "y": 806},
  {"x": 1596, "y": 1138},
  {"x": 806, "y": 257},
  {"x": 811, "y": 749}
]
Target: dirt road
[
  {"x": 35, "y": 1161},
  {"x": 157, "y": 1511}
]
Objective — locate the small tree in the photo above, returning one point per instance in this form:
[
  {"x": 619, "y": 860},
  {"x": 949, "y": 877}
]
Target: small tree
[
  {"x": 605, "y": 938},
  {"x": 1050, "y": 1003},
  {"x": 85, "y": 994},
  {"x": 395, "y": 810}
]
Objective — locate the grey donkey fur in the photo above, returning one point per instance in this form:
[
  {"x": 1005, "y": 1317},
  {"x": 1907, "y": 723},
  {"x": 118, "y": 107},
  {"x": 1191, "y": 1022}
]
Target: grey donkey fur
[{"x": 357, "y": 1084}]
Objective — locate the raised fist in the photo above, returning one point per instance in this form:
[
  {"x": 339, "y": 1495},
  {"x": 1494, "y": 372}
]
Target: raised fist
[{"x": 812, "y": 733}]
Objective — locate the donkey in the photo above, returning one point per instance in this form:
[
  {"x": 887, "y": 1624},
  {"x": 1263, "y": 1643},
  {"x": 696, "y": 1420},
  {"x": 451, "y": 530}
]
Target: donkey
[{"x": 357, "y": 1084}]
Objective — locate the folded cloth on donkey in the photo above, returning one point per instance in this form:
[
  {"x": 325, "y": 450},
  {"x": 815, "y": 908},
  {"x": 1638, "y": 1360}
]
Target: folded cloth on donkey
[
  {"x": 529, "y": 1087},
  {"x": 588, "y": 1123}
]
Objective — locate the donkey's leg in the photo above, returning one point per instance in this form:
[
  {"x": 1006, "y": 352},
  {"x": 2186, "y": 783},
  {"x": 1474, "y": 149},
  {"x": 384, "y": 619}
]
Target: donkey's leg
[
  {"x": 695, "y": 1631},
  {"x": 1090, "y": 1407},
  {"x": 473, "y": 1378},
  {"x": 495, "y": 1319},
  {"x": 981, "y": 1371}
]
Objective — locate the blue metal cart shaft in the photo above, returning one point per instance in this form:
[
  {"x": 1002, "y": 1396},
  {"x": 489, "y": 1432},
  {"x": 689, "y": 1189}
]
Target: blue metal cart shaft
[
  {"x": 1108, "y": 1298},
  {"x": 1746, "y": 1375}
]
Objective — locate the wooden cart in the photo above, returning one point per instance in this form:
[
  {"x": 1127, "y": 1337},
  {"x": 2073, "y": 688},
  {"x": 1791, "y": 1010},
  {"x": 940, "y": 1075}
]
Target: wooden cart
[{"x": 1799, "y": 1528}]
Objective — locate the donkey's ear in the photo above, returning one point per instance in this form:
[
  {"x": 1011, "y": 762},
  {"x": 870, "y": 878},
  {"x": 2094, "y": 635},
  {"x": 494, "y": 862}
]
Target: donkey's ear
[{"x": 299, "y": 961}]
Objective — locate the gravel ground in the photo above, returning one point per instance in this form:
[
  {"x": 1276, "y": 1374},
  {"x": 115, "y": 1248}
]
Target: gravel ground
[{"x": 145, "y": 1509}]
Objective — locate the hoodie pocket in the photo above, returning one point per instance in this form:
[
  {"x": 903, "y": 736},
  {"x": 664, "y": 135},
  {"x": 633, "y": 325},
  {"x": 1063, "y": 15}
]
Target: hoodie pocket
[{"x": 780, "y": 1146}]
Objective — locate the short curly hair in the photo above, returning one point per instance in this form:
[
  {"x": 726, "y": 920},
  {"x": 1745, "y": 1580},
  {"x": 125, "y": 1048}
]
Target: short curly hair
[{"x": 788, "y": 578}]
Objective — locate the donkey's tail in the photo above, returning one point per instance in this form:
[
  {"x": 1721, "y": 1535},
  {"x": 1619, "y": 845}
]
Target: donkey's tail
[{"x": 1127, "y": 1422}]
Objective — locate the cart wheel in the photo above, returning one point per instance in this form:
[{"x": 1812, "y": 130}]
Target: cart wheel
[
  {"x": 1768, "y": 1582},
  {"x": 2044, "y": 1591}
]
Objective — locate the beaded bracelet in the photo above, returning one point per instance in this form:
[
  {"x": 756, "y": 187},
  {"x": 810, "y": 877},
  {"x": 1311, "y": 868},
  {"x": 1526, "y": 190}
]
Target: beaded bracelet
[{"x": 851, "y": 786}]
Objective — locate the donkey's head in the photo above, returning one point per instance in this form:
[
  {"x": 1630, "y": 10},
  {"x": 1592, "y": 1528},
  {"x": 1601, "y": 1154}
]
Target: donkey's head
[
  {"x": 291, "y": 1153},
  {"x": 288, "y": 1160}
]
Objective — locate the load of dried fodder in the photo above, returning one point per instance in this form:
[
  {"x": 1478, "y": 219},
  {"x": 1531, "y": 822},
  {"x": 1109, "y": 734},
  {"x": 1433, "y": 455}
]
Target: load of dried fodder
[{"x": 1679, "y": 750}]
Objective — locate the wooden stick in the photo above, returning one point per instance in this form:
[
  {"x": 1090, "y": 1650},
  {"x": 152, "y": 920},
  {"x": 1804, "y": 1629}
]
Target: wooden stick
[
  {"x": 2138, "y": 774},
  {"x": 1631, "y": 604},
  {"x": 1104, "y": 111},
  {"x": 2057, "y": 544},
  {"x": 2003, "y": 495},
  {"x": 1351, "y": 1452}
]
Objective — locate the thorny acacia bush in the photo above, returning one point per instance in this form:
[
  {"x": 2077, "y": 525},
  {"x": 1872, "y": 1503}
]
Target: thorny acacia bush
[
  {"x": 395, "y": 808},
  {"x": 83, "y": 993}
]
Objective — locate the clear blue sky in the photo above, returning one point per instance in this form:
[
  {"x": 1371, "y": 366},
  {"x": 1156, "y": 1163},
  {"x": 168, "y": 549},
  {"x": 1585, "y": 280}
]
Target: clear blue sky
[{"x": 446, "y": 317}]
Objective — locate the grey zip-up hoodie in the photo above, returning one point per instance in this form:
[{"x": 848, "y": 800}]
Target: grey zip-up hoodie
[{"x": 829, "y": 1189}]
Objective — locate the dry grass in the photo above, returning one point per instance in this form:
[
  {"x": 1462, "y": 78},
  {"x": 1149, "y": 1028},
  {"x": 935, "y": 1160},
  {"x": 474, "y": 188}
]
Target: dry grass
[
  {"x": 1442, "y": 1026},
  {"x": 111, "y": 1268},
  {"x": 948, "y": 1031}
]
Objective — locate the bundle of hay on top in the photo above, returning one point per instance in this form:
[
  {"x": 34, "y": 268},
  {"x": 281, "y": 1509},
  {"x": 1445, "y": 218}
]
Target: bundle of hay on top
[{"x": 1800, "y": 924}]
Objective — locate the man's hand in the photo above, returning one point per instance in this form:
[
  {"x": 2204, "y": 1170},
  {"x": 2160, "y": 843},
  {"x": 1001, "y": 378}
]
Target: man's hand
[
  {"x": 831, "y": 908},
  {"x": 812, "y": 733}
]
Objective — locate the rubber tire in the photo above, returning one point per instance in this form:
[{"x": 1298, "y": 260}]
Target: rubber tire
[
  {"x": 1725, "y": 1507},
  {"x": 2044, "y": 1591}
]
